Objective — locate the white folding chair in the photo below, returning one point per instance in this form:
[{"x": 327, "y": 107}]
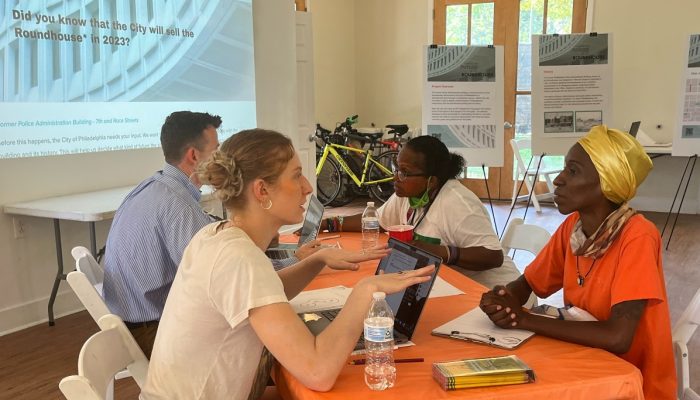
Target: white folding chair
[
  {"x": 86, "y": 282},
  {"x": 103, "y": 355},
  {"x": 522, "y": 236},
  {"x": 682, "y": 333},
  {"x": 528, "y": 174}
]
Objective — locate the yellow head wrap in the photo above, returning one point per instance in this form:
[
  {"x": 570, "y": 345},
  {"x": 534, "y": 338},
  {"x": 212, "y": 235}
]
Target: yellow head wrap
[{"x": 620, "y": 160}]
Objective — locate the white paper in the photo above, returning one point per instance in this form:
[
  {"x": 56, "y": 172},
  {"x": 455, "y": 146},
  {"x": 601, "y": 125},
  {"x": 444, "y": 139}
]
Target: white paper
[
  {"x": 571, "y": 88},
  {"x": 463, "y": 101},
  {"x": 477, "y": 327},
  {"x": 320, "y": 299},
  {"x": 441, "y": 288},
  {"x": 686, "y": 141}
]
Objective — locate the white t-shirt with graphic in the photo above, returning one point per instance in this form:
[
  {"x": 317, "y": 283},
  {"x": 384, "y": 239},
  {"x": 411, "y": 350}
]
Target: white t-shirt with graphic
[
  {"x": 456, "y": 218},
  {"x": 205, "y": 347}
]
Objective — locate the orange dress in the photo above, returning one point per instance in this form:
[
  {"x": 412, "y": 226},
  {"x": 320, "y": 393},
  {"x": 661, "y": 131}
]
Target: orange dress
[{"x": 629, "y": 270}]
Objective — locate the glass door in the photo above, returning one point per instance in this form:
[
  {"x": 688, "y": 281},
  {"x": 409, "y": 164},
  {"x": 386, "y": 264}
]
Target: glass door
[{"x": 509, "y": 23}]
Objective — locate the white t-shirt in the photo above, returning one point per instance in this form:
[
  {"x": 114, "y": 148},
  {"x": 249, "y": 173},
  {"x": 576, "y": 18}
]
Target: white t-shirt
[
  {"x": 456, "y": 218},
  {"x": 205, "y": 347}
]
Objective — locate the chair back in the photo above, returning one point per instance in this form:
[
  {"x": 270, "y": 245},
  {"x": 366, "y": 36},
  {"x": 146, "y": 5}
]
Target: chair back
[
  {"x": 518, "y": 146},
  {"x": 101, "y": 357},
  {"x": 86, "y": 282},
  {"x": 682, "y": 333},
  {"x": 86, "y": 263},
  {"x": 522, "y": 236}
]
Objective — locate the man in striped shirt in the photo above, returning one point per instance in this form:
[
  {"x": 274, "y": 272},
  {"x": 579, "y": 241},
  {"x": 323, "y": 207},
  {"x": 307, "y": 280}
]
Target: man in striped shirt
[{"x": 154, "y": 224}]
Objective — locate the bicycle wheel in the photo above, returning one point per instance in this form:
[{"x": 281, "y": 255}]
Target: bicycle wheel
[
  {"x": 382, "y": 191},
  {"x": 328, "y": 182}
]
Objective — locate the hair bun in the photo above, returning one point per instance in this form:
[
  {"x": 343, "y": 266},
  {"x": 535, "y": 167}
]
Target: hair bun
[{"x": 221, "y": 172}]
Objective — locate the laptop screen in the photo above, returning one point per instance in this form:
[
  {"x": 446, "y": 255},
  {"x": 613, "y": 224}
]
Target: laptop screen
[
  {"x": 312, "y": 221},
  {"x": 408, "y": 304}
]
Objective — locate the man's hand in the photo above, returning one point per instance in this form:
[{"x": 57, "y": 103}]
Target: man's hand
[{"x": 502, "y": 307}]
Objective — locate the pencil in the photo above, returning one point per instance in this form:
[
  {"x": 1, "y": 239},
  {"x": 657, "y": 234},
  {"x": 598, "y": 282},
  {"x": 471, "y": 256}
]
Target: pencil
[
  {"x": 362, "y": 361},
  {"x": 329, "y": 237}
]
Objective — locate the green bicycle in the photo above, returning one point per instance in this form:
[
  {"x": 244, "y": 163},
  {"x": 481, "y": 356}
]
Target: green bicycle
[{"x": 375, "y": 173}]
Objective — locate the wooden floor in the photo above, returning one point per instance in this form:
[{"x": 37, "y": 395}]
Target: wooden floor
[{"x": 34, "y": 360}]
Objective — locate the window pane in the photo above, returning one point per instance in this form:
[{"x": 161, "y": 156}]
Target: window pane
[
  {"x": 523, "y": 130},
  {"x": 476, "y": 172},
  {"x": 482, "y": 24},
  {"x": 559, "y": 16},
  {"x": 531, "y": 23},
  {"x": 456, "y": 24}
]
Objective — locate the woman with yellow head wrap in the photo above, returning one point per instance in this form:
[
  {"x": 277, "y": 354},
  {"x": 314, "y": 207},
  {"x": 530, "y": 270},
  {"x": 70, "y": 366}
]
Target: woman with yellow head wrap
[{"x": 606, "y": 257}]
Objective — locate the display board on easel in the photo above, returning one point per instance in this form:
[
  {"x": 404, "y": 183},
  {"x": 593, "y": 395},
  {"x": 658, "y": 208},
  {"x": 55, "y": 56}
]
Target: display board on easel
[
  {"x": 571, "y": 88},
  {"x": 686, "y": 141},
  {"x": 463, "y": 101}
]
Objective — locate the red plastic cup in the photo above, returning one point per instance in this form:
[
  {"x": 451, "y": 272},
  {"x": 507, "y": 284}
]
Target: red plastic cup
[{"x": 403, "y": 233}]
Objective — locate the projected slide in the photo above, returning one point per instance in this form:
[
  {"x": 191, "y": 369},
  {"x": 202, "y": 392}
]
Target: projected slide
[{"x": 99, "y": 75}]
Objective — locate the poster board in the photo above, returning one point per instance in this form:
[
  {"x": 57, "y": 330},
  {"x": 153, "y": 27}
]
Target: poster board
[
  {"x": 686, "y": 141},
  {"x": 571, "y": 88},
  {"x": 463, "y": 101}
]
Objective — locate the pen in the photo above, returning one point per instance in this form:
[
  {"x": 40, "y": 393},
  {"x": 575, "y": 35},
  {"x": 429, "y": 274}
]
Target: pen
[{"x": 362, "y": 361}]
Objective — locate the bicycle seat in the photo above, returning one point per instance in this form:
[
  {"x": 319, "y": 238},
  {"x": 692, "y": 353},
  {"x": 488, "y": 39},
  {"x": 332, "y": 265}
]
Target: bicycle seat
[
  {"x": 372, "y": 134},
  {"x": 399, "y": 130}
]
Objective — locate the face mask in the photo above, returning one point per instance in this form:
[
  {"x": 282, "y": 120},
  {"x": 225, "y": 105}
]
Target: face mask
[{"x": 418, "y": 202}]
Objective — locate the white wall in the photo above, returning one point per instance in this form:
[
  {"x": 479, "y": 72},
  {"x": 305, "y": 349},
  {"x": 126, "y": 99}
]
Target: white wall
[
  {"x": 649, "y": 53},
  {"x": 334, "y": 60},
  {"x": 28, "y": 265},
  {"x": 389, "y": 34},
  {"x": 390, "y": 39}
]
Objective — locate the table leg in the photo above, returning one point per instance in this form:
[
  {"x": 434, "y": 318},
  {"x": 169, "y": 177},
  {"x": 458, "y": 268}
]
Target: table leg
[
  {"x": 59, "y": 273},
  {"x": 93, "y": 241}
]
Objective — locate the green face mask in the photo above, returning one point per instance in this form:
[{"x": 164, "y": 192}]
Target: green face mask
[{"x": 418, "y": 202}]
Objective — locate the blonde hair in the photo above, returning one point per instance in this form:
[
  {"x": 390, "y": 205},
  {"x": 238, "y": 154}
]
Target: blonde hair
[{"x": 247, "y": 155}]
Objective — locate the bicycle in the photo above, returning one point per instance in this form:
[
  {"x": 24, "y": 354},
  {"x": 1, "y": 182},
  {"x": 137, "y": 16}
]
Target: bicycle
[{"x": 374, "y": 173}]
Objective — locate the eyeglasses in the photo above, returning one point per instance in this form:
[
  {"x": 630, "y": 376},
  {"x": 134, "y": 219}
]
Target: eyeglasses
[{"x": 403, "y": 175}]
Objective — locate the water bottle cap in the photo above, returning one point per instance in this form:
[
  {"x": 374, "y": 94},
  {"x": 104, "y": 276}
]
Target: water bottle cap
[
  {"x": 379, "y": 295},
  {"x": 370, "y": 204}
]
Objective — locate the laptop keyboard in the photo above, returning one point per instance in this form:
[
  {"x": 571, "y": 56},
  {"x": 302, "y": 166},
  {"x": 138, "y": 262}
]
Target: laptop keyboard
[{"x": 330, "y": 314}]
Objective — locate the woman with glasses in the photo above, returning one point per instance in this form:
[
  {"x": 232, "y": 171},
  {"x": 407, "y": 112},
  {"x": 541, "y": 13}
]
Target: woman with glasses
[{"x": 448, "y": 219}]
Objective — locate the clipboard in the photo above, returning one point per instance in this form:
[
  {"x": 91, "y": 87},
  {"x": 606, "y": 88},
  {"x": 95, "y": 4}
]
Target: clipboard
[{"x": 476, "y": 327}]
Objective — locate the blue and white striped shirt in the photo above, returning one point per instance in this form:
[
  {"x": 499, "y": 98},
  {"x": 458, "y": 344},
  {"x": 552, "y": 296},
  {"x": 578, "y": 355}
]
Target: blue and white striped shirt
[{"x": 150, "y": 231}]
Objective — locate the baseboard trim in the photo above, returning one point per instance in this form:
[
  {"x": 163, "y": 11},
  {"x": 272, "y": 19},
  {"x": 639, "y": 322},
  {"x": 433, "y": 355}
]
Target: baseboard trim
[
  {"x": 32, "y": 313},
  {"x": 662, "y": 204}
]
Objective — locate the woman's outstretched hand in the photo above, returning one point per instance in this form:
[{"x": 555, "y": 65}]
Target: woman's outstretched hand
[
  {"x": 349, "y": 260},
  {"x": 392, "y": 283}
]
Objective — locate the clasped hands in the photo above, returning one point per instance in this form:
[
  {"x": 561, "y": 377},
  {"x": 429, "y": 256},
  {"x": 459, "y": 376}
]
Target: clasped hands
[{"x": 502, "y": 307}]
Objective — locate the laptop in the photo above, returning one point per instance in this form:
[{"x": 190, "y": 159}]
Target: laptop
[
  {"x": 407, "y": 304},
  {"x": 309, "y": 231},
  {"x": 635, "y": 128}
]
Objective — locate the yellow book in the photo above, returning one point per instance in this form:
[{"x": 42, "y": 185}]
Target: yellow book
[{"x": 479, "y": 372}]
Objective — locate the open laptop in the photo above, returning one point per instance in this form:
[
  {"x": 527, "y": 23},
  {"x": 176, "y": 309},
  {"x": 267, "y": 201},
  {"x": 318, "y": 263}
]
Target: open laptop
[
  {"x": 635, "y": 128},
  {"x": 309, "y": 231},
  {"x": 407, "y": 304}
]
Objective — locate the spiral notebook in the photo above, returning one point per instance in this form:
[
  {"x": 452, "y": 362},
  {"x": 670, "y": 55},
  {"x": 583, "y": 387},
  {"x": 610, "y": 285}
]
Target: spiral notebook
[{"x": 475, "y": 326}]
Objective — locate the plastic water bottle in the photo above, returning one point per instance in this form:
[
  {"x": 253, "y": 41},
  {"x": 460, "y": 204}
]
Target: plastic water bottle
[
  {"x": 380, "y": 372},
  {"x": 370, "y": 227}
]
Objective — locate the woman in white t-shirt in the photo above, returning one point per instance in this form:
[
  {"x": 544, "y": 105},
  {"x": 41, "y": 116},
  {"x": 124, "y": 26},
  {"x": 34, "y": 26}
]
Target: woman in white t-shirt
[
  {"x": 448, "y": 219},
  {"x": 227, "y": 301}
]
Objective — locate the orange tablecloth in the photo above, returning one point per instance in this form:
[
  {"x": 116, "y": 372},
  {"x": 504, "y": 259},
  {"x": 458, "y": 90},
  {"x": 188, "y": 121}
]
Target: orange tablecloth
[{"x": 563, "y": 370}]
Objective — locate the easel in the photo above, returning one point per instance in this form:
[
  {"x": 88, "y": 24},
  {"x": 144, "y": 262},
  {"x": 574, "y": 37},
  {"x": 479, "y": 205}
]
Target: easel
[
  {"x": 520, "y": 187},
  {"x": 694, "y": 159}
]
